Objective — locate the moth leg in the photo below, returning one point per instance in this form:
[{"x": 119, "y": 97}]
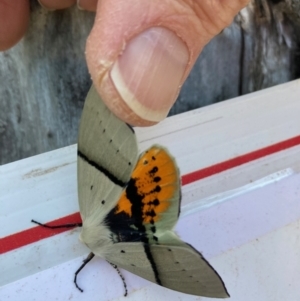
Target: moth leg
[
  {"x": 122, "y": 277},
  {"x": 58, "y": 226},
  {"x": 85, "y": 262}
]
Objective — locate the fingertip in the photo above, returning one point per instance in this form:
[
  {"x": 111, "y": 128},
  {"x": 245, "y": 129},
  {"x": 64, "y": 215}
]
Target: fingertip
[{"x": 14, "y": 20}]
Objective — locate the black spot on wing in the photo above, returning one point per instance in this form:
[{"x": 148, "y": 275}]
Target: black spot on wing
[
  {"x": 153, "y": 171},
  {"x": 151, "y": 213},
  {"x": 155, "y": 202},
  {"x": 157, "y": 179},
  {"x": 106, "y": 172},
  {"x": 156, "y": 189}
]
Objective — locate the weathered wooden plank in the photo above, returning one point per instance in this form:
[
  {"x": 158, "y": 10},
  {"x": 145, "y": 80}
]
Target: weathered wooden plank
[{"x": 44, "y": 79}]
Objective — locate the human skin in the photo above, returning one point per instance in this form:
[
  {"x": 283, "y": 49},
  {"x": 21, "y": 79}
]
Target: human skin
[{"x": 139, "y": 52}]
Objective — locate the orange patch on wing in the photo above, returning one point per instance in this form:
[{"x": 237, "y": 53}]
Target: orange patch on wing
[
  {"x": 156, "y": 179},
  {"x": 124, "y": 205}
]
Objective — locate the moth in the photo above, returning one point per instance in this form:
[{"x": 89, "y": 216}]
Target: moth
[{"x": 129, "y": 205}]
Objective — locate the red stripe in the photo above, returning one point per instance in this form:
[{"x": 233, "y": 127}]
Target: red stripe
[
  {"x": 35, "y": 234},
  {"x": 240, "y": 160}
]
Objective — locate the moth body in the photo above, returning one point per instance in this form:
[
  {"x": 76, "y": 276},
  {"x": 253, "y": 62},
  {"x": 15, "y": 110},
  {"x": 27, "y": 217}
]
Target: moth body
[{"x": 97, "y": 238}]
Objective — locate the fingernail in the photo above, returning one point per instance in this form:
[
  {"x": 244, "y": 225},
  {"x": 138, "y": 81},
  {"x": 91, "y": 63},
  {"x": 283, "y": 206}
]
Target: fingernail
[
  {"x": 78, "y": 5},
  {"x": 149, "y": 72},
  {"x": 89, "y": 5},
  {"x": 45, "y": 7}
]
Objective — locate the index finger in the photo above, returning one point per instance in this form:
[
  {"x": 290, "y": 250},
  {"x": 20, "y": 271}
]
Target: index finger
[{"x": 14, "y": 19}]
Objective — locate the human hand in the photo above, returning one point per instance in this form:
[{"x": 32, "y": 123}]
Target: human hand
[{"x": 139, "y": 52}]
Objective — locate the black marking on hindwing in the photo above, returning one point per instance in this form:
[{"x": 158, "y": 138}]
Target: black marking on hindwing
[{"x": 148, "y": 253}]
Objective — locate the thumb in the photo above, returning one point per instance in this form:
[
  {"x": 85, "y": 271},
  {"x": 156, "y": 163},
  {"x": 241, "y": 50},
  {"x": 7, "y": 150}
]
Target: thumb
[{"x": 139, "y": 53}]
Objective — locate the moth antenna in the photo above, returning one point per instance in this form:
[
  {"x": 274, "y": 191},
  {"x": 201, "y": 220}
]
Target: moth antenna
[
  {"x": 122, "y": 277},
  {"x": 85, "y": 262},
  {"x": 57, "y": 226}
]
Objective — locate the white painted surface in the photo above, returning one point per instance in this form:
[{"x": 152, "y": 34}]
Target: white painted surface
[
  {"x": 245, "y": 220},
  {"x": 253, "y": 247}
]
